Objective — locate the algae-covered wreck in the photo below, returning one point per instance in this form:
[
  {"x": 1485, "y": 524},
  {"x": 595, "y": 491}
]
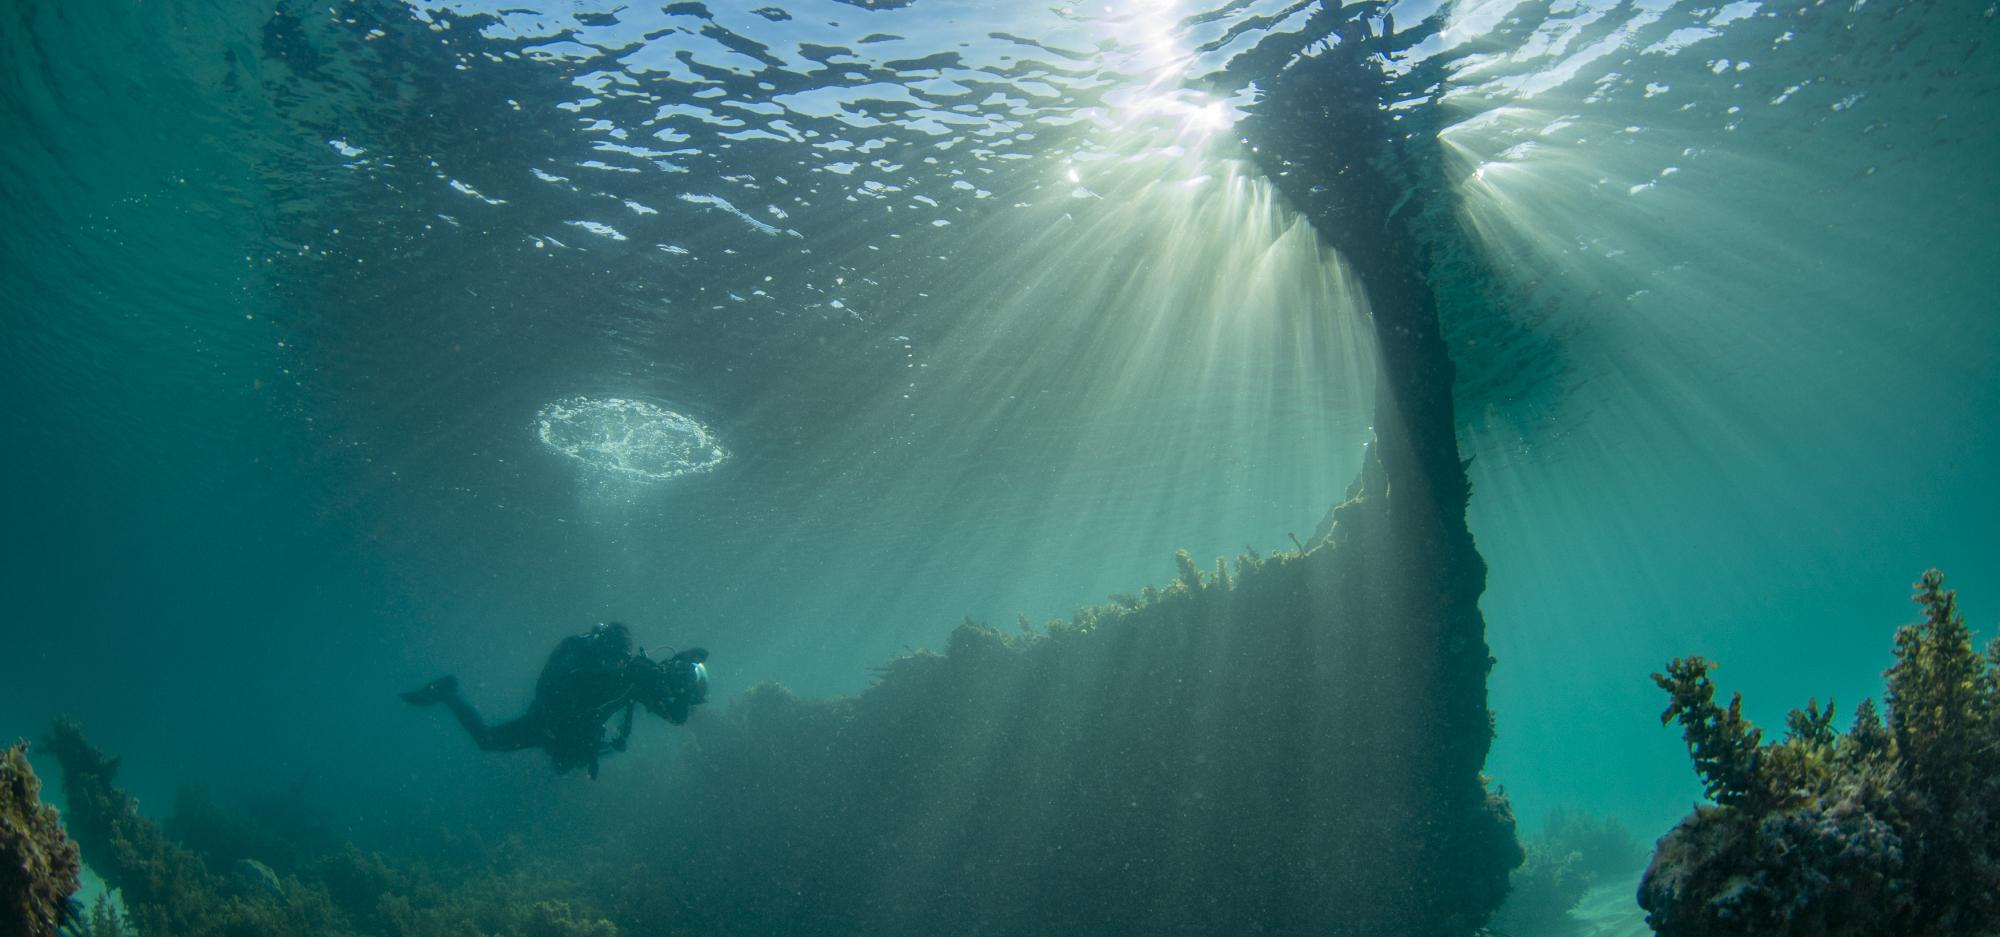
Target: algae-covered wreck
[{"x": 1294, "y": 747}]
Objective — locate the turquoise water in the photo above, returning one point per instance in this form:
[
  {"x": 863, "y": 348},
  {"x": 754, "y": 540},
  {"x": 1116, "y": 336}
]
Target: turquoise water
[{"x": 988, "y": 310}]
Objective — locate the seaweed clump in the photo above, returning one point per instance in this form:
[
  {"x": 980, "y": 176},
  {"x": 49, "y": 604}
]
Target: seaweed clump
[
  {"x": 38, "y": 863},
  {"x": 1887, "y": 830}
]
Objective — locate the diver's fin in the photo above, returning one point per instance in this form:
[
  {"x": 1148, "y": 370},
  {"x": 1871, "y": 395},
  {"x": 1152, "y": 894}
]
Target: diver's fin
[{"x": 433, "y": 692}]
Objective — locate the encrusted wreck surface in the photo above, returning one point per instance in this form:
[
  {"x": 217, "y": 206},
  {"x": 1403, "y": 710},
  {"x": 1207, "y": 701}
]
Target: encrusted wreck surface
[
  {"x": 1256, "y": 752},
  {"x": 1293, "y": 747}
]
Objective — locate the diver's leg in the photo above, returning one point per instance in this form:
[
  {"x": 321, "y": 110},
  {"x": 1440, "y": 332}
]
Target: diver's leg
[{"x": 512, "y": 735}]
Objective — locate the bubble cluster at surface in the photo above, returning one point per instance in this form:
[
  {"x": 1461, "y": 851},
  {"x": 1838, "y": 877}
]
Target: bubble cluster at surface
[{"x": 630, "y": 437}]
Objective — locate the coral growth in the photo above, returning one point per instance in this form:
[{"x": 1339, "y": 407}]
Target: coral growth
[
  {"x": 1884, "y": 831},
  {"x": 38, "y": 863}
]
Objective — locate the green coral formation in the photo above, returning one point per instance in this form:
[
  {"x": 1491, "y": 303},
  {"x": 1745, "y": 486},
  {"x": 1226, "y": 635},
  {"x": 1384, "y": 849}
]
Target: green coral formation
[
  {"x": 38, "y": 863},
  {"x": 1883, "y": 831}
]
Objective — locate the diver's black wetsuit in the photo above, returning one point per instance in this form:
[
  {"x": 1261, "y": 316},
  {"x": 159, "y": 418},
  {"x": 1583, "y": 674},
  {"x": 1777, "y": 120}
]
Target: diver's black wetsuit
[{"x": 589, "y": 678}]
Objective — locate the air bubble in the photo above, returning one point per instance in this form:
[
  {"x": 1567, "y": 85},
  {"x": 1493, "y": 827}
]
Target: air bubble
[{"x": 630, "y": 437}]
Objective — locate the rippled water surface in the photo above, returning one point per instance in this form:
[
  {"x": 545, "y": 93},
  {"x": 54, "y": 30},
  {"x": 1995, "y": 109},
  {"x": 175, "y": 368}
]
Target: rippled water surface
[{"x": 346, "y": 339}]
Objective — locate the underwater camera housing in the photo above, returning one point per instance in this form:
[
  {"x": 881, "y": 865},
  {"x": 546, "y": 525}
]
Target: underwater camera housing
[{"x": 687, "y": 672}]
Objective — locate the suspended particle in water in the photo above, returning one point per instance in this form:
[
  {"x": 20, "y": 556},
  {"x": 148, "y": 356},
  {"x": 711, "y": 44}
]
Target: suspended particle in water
[{"x": 630, "y": 437}]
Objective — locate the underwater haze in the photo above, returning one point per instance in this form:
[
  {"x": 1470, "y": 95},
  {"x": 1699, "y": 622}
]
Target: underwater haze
[{"x": 354, "y": 343}]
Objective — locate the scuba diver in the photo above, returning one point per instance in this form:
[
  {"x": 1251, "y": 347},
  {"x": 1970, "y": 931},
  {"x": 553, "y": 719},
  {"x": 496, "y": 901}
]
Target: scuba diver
[{"x": 589, "y": 678}]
